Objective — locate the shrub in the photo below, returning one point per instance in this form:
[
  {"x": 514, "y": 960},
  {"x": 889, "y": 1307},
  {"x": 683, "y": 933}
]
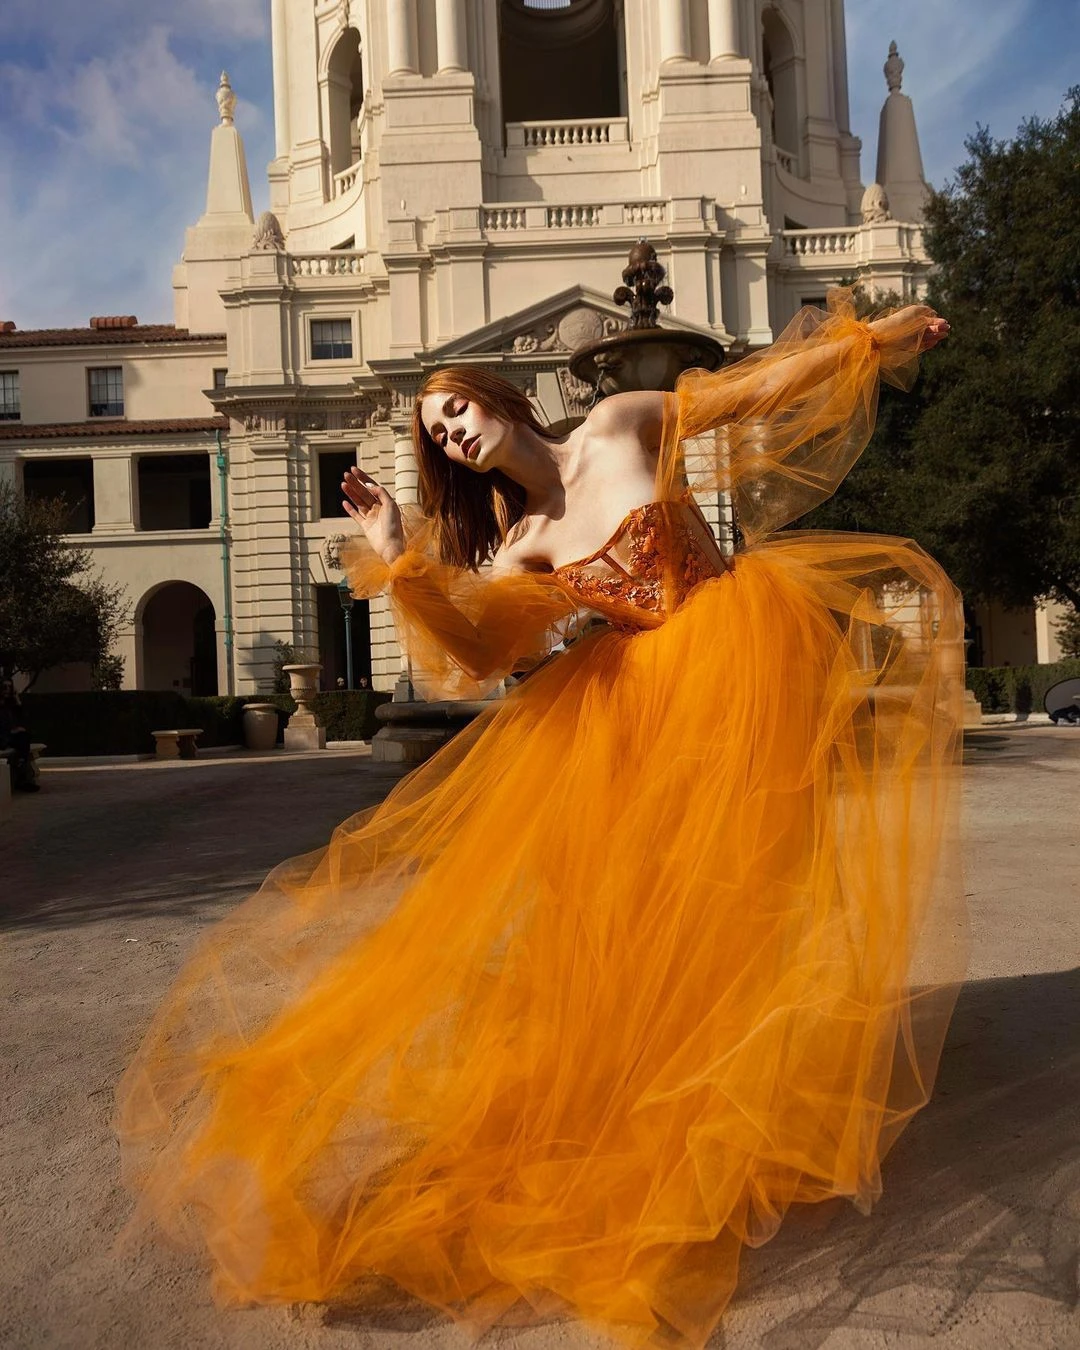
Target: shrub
[
  {"x": 1018, "y": 689},
  {"x": 122, "y": 722}
]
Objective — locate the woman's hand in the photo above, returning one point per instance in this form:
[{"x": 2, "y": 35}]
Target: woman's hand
[
  {"x": 376, "y": 512},
  {"x": 893, "y": 325}
]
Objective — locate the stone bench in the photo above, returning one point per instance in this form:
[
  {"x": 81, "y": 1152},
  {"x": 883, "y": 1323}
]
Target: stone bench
[{"x": 176, "y": 744}]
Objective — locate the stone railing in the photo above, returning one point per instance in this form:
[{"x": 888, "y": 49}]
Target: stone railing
[
  {"x": 576, "y": 131},
  {"x": 788, "y": 161},
  {"x": 346, "y": 180},
  {"x": 574, "y": 217},
  {"x": 820, "y": 243},
  {"x": 501, "y": 219},
  {"x": 340, "y": 263}
]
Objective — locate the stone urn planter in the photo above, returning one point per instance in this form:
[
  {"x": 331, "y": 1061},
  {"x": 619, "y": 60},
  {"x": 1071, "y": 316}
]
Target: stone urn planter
[
  {"x": 260, "y": 726},
  {"x": 304, "y": 730}
]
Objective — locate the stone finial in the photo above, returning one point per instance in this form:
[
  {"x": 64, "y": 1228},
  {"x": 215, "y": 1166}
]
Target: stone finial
[
  {"x": 268, "y": 236},
  {"x": 226, "y": 99},
  {"x": 894, "y": 69},
  {"x": 875, "y": 205},
  {"x": 641, "y": 289}
]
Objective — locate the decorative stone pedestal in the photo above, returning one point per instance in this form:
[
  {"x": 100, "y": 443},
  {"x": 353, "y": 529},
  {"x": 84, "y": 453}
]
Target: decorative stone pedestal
[
  {"x": 304, "y": 730},
  {"x": 412, "y": 732},
  {"x": 972, "y": 710}
]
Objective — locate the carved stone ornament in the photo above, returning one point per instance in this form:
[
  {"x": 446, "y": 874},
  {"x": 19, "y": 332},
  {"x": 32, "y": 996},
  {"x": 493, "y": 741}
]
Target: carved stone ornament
[
  {"x": 875, "y": 205},
  {"x": 331, "y": 551},
  {"x": 894, "y": 69},
  {"x": 268, "y": 236},
  {"x": 314, "y": 422},
  {"x": 253, "y": 422},
  {"x": 576, "y": 393},
  {"x": 226, "y": 100},
  {"x": 576, "y": 327}
]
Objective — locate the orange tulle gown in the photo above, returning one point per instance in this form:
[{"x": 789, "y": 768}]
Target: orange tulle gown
[{"x": 661, "y": 944}]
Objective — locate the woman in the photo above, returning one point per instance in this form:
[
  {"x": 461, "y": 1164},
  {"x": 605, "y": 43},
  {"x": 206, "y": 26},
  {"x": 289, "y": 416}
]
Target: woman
[{"x": 646, "y": 954}]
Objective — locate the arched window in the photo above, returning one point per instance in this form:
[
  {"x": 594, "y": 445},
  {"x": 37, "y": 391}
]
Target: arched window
[
  {"x": 345, "y": 88},
  {"x": 780, "y": 68},
  {"x": 561, "y": 59}
]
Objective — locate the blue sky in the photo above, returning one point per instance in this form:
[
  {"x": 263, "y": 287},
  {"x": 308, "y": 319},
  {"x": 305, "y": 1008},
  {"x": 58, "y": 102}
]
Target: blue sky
[{"x": 106, "y": 108}]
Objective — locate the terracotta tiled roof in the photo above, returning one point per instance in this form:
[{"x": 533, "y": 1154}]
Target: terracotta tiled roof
[
  {"x": 109, "y": 426},
  {"x": 97, "y": 337}
]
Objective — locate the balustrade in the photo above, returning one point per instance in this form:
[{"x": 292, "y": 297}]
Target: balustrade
[
  {"x": 787, "y": 161},
  {"x": 577, "y": 132},
  {"x": 534, "y": 216},
  {"x": 344, "y": 181},
  {"x": 341, "y": 263},
  {"x": 820, "y": 243}
]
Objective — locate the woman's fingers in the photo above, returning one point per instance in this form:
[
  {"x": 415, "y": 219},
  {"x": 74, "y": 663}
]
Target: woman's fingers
[{"x": 359, "y": 489}]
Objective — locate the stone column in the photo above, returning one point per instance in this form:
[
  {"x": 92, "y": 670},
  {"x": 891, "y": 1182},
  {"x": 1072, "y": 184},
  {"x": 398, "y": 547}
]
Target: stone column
[
  {"x": 401, "y": 37},
  {"x": 450, "y": 36},
  {"x": 406, "y": 474},
  {"x": 674, "y": 31},
  {"x": 280, "y": 36},
  {"x": 723, "y": 30},
  {"x": 114, "y": 494}
]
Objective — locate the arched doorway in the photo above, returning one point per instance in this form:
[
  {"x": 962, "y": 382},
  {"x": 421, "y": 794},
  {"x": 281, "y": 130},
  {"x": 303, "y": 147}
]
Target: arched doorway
[
  {"x": 780, "y": 66},
  {"x": 345, "y": 97},
  {"x": 178, "y": 640}
]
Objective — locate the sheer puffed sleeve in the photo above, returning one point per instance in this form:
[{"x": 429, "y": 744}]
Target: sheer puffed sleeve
[
  {"x": 780, "y": 429},
  {"x": 463, "y": 631}
]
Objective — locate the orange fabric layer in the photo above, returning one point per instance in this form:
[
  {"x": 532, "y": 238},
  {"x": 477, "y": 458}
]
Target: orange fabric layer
[{"x": 663, "y": 943}]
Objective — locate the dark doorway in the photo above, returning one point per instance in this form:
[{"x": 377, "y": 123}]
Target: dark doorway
[
  {"x": 179, "y": 646},
  {"x": 332, "y": 638}
]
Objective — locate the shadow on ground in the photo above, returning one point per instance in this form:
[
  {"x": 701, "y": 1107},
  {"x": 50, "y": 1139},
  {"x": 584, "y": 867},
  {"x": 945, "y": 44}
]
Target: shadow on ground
[
  {"x": 176, "y": 842},
  {"x": 980, "y": 1198},
  {"x": 980, "y": 1192}
]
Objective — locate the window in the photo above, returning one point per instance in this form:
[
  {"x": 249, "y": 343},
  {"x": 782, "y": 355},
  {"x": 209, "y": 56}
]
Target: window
[
  {"x": 332, "y": 467},
  {"x": 106, "y": 391},
  {"x": 174, "y": 492},
  {"x": 220, "y": 376},
  {"x": 331, "y": 340},
  {"x": 9, "y": 396},
  {"x": 71, "y": 479}
]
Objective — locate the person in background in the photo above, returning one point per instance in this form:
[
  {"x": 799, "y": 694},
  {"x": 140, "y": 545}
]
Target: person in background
[{"x": 15, "y": 737}]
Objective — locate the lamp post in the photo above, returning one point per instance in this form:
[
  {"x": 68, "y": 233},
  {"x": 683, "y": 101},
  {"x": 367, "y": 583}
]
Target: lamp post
[{"x": 346, "y": 598}]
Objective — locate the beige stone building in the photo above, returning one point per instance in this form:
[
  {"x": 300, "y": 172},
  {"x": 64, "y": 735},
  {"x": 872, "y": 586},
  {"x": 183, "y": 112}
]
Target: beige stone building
[{"x": 454, "y": 181}]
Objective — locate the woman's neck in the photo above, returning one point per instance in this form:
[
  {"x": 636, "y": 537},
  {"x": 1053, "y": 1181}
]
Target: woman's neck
[{"x": 541, "y": 465}]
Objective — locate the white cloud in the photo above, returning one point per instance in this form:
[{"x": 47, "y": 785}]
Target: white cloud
[{"x": 103, "y": 163}]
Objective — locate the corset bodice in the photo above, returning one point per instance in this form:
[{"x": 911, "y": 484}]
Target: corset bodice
[{"x": 648, "y": 567}]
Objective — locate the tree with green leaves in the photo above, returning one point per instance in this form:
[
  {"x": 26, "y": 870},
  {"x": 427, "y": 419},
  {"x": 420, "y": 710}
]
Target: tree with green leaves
[
  {"x": 53, "y": 609},
  {"x": 981, "y": 465}
]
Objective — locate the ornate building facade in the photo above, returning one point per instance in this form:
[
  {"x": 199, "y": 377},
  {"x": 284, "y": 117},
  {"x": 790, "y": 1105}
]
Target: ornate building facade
[{"x": 454, "y": 181}]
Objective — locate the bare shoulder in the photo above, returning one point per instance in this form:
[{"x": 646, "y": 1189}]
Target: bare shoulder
[{"x": 640, "y": 414}]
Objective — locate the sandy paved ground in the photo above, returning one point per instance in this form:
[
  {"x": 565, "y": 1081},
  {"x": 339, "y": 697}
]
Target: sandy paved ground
[{"x": 109, "y": 874}]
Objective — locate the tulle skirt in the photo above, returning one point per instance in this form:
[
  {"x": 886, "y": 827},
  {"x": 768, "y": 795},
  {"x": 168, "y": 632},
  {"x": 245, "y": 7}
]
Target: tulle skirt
[{"x": 659, "y": 946}]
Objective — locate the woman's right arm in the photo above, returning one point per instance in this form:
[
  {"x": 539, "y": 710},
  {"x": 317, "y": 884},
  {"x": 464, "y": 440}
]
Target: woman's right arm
[{"x": 487, "y": 624}]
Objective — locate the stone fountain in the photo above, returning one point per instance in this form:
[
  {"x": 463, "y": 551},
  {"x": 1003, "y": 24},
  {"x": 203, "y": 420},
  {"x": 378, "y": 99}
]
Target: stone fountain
[{"x": 643, "y": 356}]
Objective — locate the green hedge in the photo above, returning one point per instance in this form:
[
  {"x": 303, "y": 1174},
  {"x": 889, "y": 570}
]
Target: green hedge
[
  {"x": 105, "y": 722},
  {"x": 1018, "y": 689}
]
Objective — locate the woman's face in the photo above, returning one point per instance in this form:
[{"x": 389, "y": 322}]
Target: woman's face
[{"x": 464, "y": 431}]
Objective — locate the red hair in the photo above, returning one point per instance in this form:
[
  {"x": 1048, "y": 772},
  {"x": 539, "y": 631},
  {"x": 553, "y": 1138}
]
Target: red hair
[{"x": 471, "y": 513}]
